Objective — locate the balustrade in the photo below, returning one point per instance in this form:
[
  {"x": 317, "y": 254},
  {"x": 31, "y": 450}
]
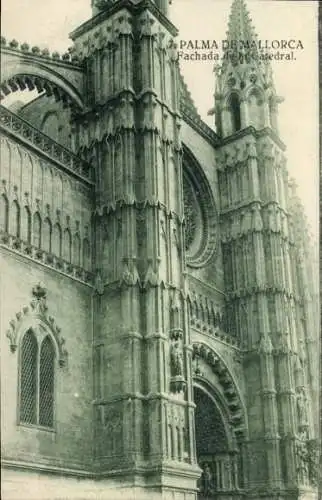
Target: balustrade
[
  {"x": 55, "y": 151},
  {"x": 46, "y": 258}
]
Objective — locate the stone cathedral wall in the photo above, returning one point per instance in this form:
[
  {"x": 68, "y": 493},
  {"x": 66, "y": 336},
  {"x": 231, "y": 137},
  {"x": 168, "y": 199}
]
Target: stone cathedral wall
[
  {"x": 46, "y": 238},
  {"x": 43, "y": 206},
  {"x": 50, "y": 117}
]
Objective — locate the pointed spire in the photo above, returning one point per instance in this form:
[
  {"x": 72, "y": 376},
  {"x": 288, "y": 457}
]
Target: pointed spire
[
  {"x": 242, "y": 45},
  {"x": 245, "y": 92},
  {"x": 239, "y": 25}
]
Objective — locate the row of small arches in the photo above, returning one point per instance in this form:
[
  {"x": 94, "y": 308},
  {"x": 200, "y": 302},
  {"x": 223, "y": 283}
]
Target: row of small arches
[{"x": 42, "y": 234}]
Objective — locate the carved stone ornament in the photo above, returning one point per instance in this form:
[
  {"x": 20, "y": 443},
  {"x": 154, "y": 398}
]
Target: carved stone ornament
[
  {"x": 176, "y": 359},
  {"x": 200, "y": 215},
  {"x": 33, "y": 315},
  {"x": 302, "y": 456},
  {"x": 177, "y": 382},
  {"x": 230, "y": 391},
  {"x": 265, "y": 345},
  {"x": 313, "y": 459},
  {"x": 301, "y": 404}
]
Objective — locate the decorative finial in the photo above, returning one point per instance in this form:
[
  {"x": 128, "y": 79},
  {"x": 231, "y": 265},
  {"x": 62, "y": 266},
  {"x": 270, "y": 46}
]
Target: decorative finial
[{"x": 39, "y": 292}]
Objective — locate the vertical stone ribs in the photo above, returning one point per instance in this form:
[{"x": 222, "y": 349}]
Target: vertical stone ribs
[
  {"x": 268, "y": 297},
  {"x": 132, "y": 131}
]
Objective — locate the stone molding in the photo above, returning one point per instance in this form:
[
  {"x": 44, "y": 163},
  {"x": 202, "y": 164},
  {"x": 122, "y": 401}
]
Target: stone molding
[
  {"x": 231, "y": 393},
  {"x": 46, "y": 259},
  {"x": 64, "y": 158},
  {"x": 36, "y": 311}
]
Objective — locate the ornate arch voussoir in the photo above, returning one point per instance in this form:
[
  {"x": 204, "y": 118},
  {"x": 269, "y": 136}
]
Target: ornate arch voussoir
[
  {"x": 230, "y": 391},
  {"x": 35, "y": 313}
]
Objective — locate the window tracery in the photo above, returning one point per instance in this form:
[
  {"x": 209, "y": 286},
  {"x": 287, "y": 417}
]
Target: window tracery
[
  {"x": 199, "y": 213},
  {"x": 41, "y": 350},
  {"x": 37, "y": 374},
  {"x": 189, "y": 213}
]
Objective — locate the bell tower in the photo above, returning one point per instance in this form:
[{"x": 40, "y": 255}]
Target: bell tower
[
  {"x": 265, "y": 308},
  {"x": 245, "y": 91},
  {"x": 143, "y": 405}
]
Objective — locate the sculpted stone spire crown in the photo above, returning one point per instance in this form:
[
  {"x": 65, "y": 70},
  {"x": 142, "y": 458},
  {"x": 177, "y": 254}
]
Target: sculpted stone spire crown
[
  {"x": 245, "y": 92},
  {"x": 242, "y": 51}
]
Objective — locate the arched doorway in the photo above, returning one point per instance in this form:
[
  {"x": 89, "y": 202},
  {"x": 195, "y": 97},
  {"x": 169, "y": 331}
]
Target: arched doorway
[{"x": 216, "y": 454}]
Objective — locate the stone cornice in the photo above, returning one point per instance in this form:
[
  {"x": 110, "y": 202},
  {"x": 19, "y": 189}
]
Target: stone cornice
[
  {"x": 21, "y": 131},
  {"x": 221, "y": 337},
  {"x": 249, "y": 203},
  {"x": 49, "y": 261},
  {"x": 117, "y": 205},
  {"x": 257, "y": 134},
  {"x": 120, "y": 283},
  {"x": 131, "y": 7},
  {"x": 35, "y": 55},
  {"x": 265, "y": 289},
  {"x": 45, "y": 467},
  {"x": 130, "y": 396},
  {"x": 199, "y": 125},
  {"x": 200, "y": 283}
]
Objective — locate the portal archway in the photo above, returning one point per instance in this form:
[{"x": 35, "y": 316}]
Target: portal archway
[
  {"x": 217, "y": 455},
  {"x": 220, "y": 426}
]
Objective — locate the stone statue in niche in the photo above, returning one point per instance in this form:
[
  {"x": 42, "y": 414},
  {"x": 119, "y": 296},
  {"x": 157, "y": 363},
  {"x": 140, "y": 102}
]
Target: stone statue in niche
[
  {"x": 301, "y": 407},
  {"x": 176, "y": 360},
  {"x": 206, "y": 480}
]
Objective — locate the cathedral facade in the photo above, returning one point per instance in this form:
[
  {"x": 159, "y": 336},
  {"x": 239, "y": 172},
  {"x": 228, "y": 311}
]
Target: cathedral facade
[{"x": 158, "y": 301}]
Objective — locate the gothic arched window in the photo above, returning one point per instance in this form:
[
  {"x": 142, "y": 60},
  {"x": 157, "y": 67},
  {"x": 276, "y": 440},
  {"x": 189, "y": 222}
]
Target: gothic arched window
[
  {"x": 56, "y": 241},
  {"x": 76, "y": 250},
  {"x": 36, "y": 230},
  {"x": 28, "y": 379},
  {"x": 234, "y": 106},
  {"x": 67, "y": 246},
  {"x": 86, "y": 255},
  {"x": 46, "y": 238},
  {"x": 37, "y": 380},
  {"x": 256, "y": 109},
  {"x": 46, "y": 383},
  {"x": 15, "y": 219},
  {"x": 4, "y": 213},
  {"x": 26, "y": 225}
]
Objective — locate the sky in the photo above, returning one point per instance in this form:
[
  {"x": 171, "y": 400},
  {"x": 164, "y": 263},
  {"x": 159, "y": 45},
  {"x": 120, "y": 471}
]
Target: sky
[{"x": 48, "y": 24}]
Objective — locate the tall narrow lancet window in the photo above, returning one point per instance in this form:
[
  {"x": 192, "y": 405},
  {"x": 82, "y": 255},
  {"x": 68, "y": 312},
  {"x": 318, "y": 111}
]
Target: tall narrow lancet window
[
  {"x": 56, "y": 240},
  {"x": 67, "y": 246},
  {"x": 234, "y": 106},
  {"x": 28, "y": 379},
  {"x": 76, "y": 250},
  {"x": 46, "y": 383},
  {"x": 36, "y": 230},
  {"x": 256, "y": 109},
  {"x": 37, "y": 380},
  {"x": 272, "y": 106},
  {"x": 86, "y": 255},
  {"x": 4, "y": 213},
  {"x": 26, "y": 225},
  {"x": 15, "y": 220},
  {"x": 46, "y": 236}
]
